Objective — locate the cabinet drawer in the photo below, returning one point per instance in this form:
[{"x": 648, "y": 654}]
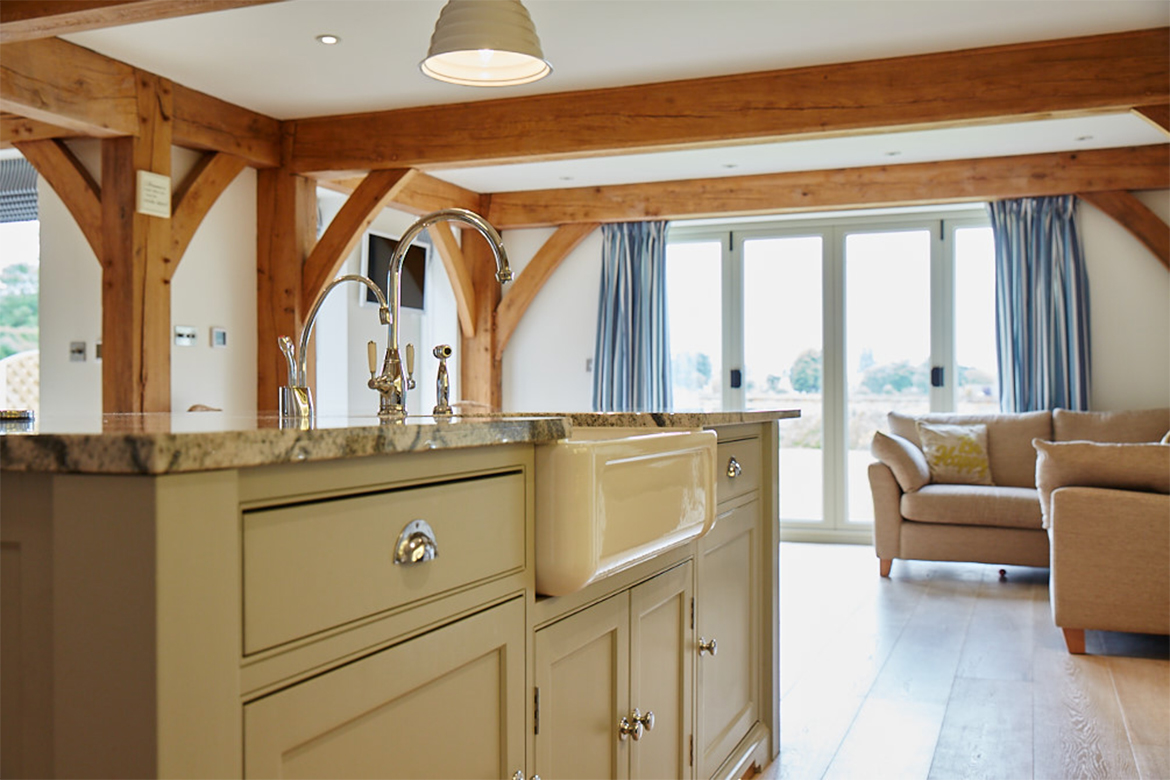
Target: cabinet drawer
[
  {"x": 317, "y": 565},
  {"x": 734, "y": 482}
]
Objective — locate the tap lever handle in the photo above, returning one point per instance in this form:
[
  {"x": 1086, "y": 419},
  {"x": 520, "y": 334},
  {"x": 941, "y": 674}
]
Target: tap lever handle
[
  {"x": 372, "y": 357},
  {"x": 410, "y": 366}
]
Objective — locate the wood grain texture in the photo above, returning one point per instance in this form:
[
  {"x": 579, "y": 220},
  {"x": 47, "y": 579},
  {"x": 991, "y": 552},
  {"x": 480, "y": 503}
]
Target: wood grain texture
[
  {"x": 1136, "y": 217},
  {"x": 195, "y": 196},
  {"x": 457, "y": 273},
  {"x": 529, "y": 283},
  {"x": 481, "y": 377},
  {"x": 286, "y": 227},
  {"x": 422, "y": 194},
  {"x": 57, "y": 82},
  {"x": 14, "y": 129},
  {"x": 1019, "y": 705},
  {"x": 208, "y": 123},
  {"x": 1158, "y": 115},
  {"x": 346, "y": 229},
  {"x": 957, "y": 181},
  {"x": 72, "y": 183},
  {"x": 1070, "y": 76},
  {"x": 28, "y": 19}
]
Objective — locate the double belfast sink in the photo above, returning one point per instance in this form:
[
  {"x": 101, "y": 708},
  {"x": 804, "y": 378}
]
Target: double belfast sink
[{"x": 609, "y": 498}]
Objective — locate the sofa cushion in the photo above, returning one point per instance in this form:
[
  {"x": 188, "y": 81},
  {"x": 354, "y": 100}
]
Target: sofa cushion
[
  {"x": 1126, "y": 466},
  {"x": 956, "y": 454},
  {"x": 1009, "y": 440},
  {"x": 987, "y": 505},
  {"x": 1142, "y": 425},
  {"x": 904, "y": 459}
]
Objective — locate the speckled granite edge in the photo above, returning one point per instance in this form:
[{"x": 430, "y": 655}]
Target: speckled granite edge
[
  {"x": 170, "y": 453},
  {"x": 142, "y": 444}
]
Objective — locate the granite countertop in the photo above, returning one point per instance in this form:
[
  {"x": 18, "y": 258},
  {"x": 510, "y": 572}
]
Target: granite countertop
[{"x": 203, "y": 441}]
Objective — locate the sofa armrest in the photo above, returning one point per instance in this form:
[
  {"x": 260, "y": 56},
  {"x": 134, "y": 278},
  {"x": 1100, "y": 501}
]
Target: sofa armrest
[
  {"x": 1110, "y": 559},
  {"x": 887, "y": 511}
]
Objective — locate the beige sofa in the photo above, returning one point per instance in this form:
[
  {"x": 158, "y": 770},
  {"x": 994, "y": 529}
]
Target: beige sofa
[
  {"x": 918, "y": 518},
  {"x": 1107, "y": 511}
]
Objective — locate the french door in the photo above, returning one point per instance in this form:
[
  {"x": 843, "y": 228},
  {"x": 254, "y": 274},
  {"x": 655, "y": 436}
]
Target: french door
[{"x": 843, "y": 319}]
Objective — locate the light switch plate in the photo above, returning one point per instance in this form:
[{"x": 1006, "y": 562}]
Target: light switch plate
[
  {"x": 154, "y": 194},
  {"x": 185, "y": 335},
  {"x": 76, "y": 351},
  {"x": 219, "y": 338}
]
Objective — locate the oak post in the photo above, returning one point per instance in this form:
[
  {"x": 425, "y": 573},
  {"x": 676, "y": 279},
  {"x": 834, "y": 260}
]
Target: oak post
[
  {"x": 481, "y": 378},
  {"x": 286, "y": 228},
  {"x": 136, "y": 298}
]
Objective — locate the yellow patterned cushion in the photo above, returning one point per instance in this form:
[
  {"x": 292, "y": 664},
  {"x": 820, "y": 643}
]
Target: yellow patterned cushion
[{"x": 956, "y": 454}]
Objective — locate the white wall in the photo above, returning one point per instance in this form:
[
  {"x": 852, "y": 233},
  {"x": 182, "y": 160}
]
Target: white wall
[
  {"x": 544, "y": 367},
  {"x": 215, "y": 285},
  {"x": 1129, "y": 300}
]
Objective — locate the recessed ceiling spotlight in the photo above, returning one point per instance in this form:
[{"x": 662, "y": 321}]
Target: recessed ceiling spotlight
[
  {"x": 893, "y": 153},
  {"x": 566, "y": 178},
  {"x": 1083, "y": 138},
  {"x": 328, "y": 39},
  {"x": 730, "y": 166}
]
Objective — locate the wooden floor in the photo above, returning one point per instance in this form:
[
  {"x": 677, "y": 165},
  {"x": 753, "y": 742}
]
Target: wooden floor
[{"x": 945, "y": 671}]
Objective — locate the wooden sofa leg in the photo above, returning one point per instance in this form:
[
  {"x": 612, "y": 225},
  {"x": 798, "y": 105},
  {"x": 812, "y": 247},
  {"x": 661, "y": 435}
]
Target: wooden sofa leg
[
  {"x": 1074, "y": 639},
  {"x": 884, "y": 564}
]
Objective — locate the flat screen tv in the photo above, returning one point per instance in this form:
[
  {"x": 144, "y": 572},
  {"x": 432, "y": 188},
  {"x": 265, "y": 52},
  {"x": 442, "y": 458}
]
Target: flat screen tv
[{"x": 376, "y": 252}]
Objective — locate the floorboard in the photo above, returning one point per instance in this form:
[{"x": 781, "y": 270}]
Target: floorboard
[{"x": 945, "y": 670}]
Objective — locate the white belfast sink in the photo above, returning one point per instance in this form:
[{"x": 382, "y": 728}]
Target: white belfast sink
[{"x": 608, "y": 498}]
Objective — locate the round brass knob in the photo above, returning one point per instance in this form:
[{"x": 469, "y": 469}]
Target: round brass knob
[
  {"x": 708, "y": 646},
  {"x": 733, "y": 468}
]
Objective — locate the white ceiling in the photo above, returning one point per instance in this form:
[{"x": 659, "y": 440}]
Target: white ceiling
[{"x": 266, "y": 58}]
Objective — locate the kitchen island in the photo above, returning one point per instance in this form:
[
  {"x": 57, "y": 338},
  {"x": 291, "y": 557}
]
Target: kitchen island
[{"x": 206, "y": 595}]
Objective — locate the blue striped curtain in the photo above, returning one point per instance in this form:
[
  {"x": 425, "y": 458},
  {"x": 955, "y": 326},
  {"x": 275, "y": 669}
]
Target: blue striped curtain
[
  {"x": 1041, "y": 305},
  {"x": 631, "y": 366}
]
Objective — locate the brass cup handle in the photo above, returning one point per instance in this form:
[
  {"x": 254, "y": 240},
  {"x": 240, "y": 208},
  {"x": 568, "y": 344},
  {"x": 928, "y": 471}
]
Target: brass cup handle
[
  {"x": 708, "y": 646},
  {"x": 733, "y": 468}
]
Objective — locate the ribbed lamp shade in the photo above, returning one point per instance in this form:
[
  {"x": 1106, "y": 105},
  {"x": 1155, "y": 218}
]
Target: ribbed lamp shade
[{"x": 485, "y": 43}]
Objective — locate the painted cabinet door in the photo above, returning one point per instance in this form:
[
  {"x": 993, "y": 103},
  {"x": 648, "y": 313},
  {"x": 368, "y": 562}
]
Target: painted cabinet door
[
  {"x": 662, "y": 670},
  {"x": 728, "y": 612},
  {"x": 632, "y": 650},
  {"x": 449, "y": 703},
  {"x": 583, "y": 678}
]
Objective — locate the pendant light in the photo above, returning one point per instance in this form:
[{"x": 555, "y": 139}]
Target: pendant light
[{"x": 485, "y": 43}]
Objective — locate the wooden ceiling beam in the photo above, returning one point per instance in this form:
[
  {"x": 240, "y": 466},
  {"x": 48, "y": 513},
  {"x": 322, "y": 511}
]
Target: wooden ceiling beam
[
  {"x": 1136, "y": 217},
  {"x": 22, "y": 20},
  {"x": 1158, "y": 116},
  {"x": 422, "y": 195},
  {"x": 1032, "y": 80},
  {"x": 957, "y": 181},
  {"x": 15, "y": 129},
  {"x": 62, "y": 84},
  {"x": 84, "y": 93}
]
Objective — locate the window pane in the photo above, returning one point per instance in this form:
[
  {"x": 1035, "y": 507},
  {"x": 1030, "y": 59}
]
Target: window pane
[
  {"x": 783, "y": 345},
  {"x": 975, "y": 356},
  {"x": 694, "y": 290},
  {"x": 887, "y": 332}
]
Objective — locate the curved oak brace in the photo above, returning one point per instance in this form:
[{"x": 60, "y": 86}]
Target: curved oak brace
[
  {"x": 195, "y": 197},
  {"x": 1136, "y": 217},
  {"x": 422, "y": 195},
  {"x": 343, "y": 233},
  {"x": 1158, "y": 115},
  {"x": 536, "y": 273},
  {"x": 72, "y": 183},
  {"x": 457, "y": 273}
]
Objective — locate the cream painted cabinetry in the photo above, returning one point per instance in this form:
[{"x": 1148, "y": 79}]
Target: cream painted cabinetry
[
  {"x": 449, "y": 704},
  {"x": 594, "y": 668}
]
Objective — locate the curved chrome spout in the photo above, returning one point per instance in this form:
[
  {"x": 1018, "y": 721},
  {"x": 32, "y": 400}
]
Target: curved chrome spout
[
  {"x": 295, "y": 400},
  {"x": 307, "y": 331},
  {"x": 390, "y": 383}
]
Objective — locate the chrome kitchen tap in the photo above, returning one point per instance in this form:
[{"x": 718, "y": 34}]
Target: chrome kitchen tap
[
  {"x": 296, "y": 402},
  {"x": 391, "y": 383}
]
